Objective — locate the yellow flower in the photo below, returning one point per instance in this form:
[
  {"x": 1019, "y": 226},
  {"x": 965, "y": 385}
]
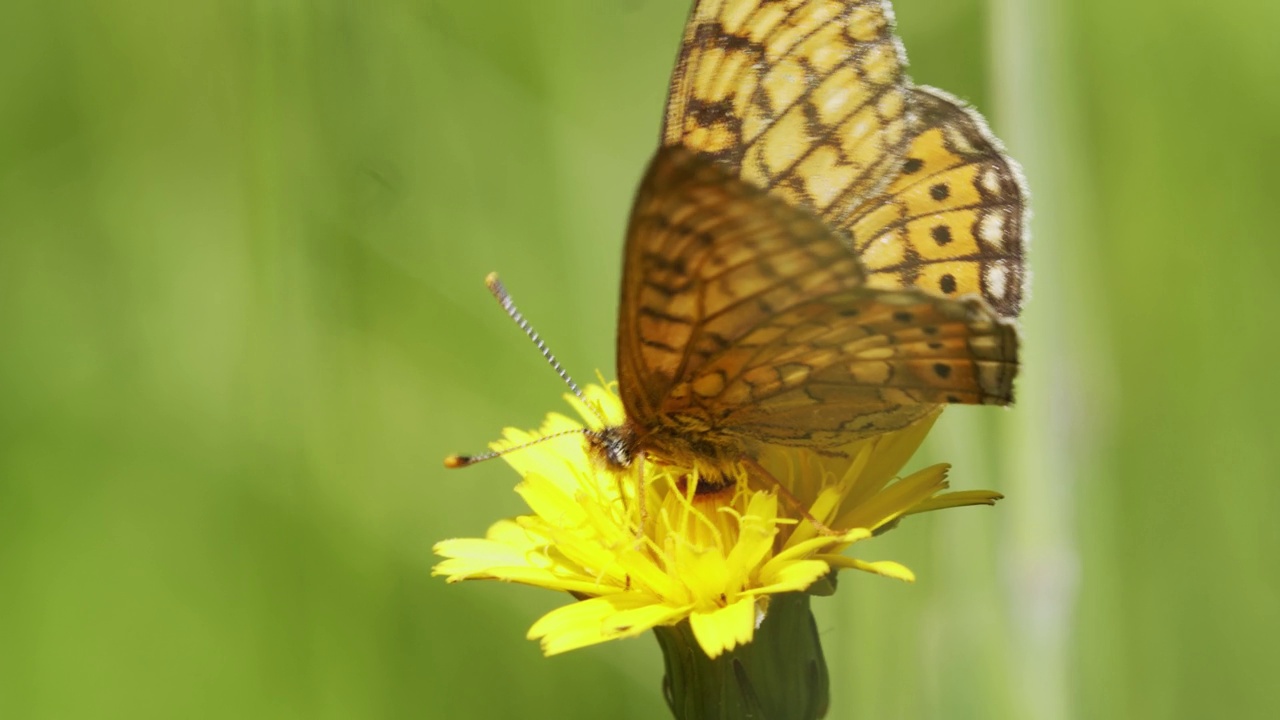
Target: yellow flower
[{"x": 713, "y": 557}]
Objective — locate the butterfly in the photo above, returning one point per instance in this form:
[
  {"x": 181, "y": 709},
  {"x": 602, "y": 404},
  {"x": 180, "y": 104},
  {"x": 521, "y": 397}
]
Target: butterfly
[{"x": 819, "y": 252}]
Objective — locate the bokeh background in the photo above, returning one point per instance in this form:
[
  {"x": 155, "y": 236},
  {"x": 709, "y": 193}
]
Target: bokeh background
[{"x": 242, "y": 321}]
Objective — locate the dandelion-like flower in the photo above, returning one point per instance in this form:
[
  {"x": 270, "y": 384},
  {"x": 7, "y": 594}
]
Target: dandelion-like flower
[{"x": 648, "y": 550}]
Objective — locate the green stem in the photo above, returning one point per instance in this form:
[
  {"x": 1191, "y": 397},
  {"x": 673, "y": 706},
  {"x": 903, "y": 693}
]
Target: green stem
[{"x": 779, "y": 675}]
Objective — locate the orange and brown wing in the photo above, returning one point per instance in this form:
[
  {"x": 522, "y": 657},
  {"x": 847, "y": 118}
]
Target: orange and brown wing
[
  {"x": 853, "y": 364},
  {"x": 954, "y": 220},
  {"x": 745, "y": 315},
  {"x": 709, "y": 257},
  {"x": 804, "y": 98}
]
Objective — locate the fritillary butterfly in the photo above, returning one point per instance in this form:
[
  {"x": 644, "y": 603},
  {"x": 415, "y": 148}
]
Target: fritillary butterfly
[{"x": 819, "y": 252}]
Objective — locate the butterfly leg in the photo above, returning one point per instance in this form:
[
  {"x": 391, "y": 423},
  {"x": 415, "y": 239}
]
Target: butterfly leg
[
  {"x": 642, "y": 498},
  {"x": 787, "y": 496}
]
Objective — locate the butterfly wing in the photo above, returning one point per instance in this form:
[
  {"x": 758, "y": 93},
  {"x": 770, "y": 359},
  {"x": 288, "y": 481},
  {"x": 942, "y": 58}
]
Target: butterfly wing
[
  {"x": 708, "y": 257},
  {"x": 809, "y": 100},
  {"x": 744, "y": 315},
  {"x": 853, "y": 364},
  {"x": 805, "y": 98},
  {"x": 953, "y": 221}
]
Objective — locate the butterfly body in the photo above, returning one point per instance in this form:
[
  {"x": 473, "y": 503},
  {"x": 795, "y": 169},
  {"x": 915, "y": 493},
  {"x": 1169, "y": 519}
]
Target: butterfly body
[{"x": 680, "y": 442}]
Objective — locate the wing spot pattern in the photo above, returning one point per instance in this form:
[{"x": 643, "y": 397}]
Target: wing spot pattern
[
  {"x": 880, "y": 353},
  {"x": 991, "y": 229},
  {"x": 984, "y": 210},
  {"x": 709, "y": 385},
  {"x": 996, "y": 280}
]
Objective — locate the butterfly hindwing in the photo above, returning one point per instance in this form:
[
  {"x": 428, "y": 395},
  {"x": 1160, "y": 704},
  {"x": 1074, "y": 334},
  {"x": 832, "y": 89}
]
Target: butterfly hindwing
[{"x": 953, "y": 220}]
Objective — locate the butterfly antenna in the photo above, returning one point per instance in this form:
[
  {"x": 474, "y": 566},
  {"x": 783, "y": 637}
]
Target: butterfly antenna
[
  {"x": 461, "y": 461},
  {"x": 499, "y": 291}
]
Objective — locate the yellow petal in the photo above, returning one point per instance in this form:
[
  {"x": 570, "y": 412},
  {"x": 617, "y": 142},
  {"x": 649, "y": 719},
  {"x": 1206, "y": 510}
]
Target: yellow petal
[
  {"x": 961, "y": 498},
  {"x": 821, "y": 510},
  {"x": 549, "y": 501},
  {"x": 793, "y": 577},
  {"x": 893, "y": 450},
  {"x": 724, "y": 628},
  {"x": 897, "y": 499},
  {"x": 704, "y": 572},
  {"x": 755, "y": 539},
  {"x": 596, "y": 620},
  {"x": 887, "y": 568}
]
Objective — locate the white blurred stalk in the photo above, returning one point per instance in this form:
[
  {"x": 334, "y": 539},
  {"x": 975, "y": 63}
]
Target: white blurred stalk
[{"x": 1046, "y": 442}]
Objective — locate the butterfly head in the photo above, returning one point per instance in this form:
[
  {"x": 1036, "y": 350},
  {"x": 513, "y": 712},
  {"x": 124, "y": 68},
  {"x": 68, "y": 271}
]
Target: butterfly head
[{"x": 615, "y": 445}]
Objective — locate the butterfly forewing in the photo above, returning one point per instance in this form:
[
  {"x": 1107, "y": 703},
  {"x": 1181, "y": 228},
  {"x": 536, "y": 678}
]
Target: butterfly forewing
[
  {"x": 708, "y": 258},
  {"x": 806, "y": 98},
  {"x": 743, "y": 316},
  {"x": 953, "y": 221}
]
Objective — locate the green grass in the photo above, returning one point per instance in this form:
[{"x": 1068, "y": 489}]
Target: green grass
[{"x": 242, "y": 320}]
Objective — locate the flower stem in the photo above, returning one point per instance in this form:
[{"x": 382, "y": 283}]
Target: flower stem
[{"x": 779, "y": 675}]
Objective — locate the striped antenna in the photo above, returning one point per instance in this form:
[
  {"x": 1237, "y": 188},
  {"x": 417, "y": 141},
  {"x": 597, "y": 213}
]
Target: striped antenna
[
  {"x": 460, "y": 461},
  {"x": 499, "y": 291}
]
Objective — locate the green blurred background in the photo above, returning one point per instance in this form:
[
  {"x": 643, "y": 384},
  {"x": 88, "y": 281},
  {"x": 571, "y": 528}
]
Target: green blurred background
[{"x": 242, "y": 321}]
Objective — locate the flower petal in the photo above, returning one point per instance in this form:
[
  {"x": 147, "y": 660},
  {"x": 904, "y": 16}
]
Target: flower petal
[
  {"x": 896, "y": 499},
  {"x": 960, "y": 498},
  {"x": 724, "y": 628},
  {"x": 887, "y": 568},
  {"x": 793, "y": 576},
  {"x": 595, "y": 620}
]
